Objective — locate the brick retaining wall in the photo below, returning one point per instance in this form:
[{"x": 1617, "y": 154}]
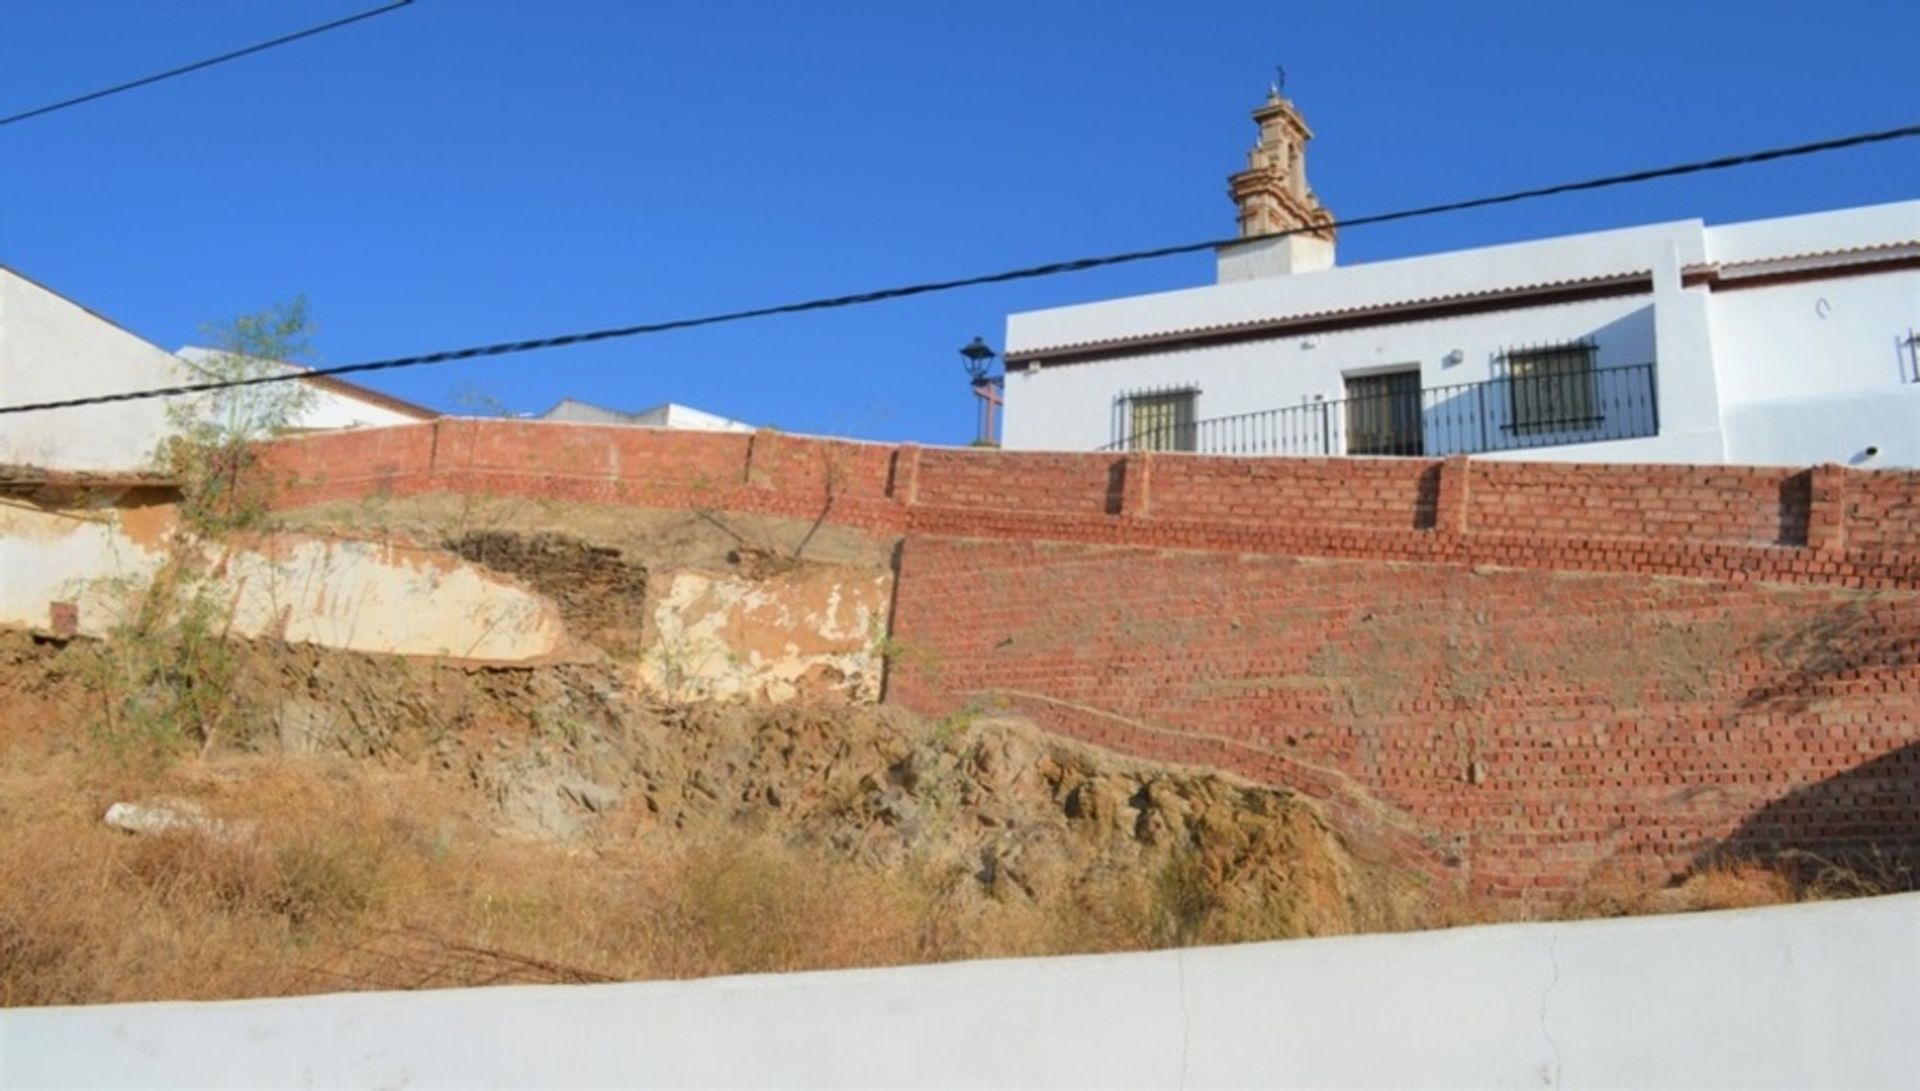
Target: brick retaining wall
[{"x": 1510, "y": 673}]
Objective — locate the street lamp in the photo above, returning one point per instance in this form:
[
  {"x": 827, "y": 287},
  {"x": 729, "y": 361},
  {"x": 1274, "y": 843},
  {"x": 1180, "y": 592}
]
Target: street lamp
[{"x": 978, "y": 359}]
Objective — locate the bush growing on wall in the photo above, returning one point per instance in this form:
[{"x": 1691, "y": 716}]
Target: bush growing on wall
[
  {"x": 166, "y": 676},
  {"x": 211, "y": 446}
]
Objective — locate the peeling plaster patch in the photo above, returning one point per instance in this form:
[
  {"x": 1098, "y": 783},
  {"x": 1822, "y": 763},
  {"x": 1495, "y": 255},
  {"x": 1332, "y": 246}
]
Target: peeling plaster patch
[
  {"x": 370, "y": 597},
  {"x": 350, "y": 595},
  {"x": 810, "y": 631}
]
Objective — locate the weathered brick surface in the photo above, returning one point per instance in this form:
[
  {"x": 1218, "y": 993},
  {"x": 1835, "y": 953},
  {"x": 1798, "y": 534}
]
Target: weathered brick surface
[
  {"x": 1882, "y": 511},
  {"x": 1733, "y": 504},
  {"x": 1521, "y": 727},
  {"x": 1371, "y": 493},
  {"x": 1006, "y": 481},
  {"x": 1510, "y": 674}
]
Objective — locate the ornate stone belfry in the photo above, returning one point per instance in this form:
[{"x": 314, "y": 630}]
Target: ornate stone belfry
[{"x": 1273, "y": 196}]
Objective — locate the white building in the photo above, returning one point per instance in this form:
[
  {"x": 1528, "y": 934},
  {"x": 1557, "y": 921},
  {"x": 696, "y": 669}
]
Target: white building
[
  {"x": 664, "y": 415},
  {"x": 336, "y": 403},
  {"x": 52, "y": 349},
  {"x": 1784, "y": 341}
]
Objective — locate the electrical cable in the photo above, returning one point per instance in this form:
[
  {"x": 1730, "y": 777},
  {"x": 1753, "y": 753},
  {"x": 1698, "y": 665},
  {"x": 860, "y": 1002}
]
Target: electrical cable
[
  {"x": 506, "y": 348},
  {"x": 198, "y": 65}
]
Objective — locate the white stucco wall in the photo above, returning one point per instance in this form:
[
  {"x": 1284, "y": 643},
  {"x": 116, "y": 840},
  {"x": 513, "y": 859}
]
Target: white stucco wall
[
  {"x": 1822, "y": 995},
  {"x": 1463, "y": 272},
  {"x": 1727, "y": 361},
  {"x": 1869, "y": 432},
  {"x": 1814, "y": 232},
  {"x": 327, "y": 407},
  {"x": 51, "y": 348},
  {"x": 664, "y": 415},
  {"x": 1077, "y": 406},
  {"x": 1817, "y": 338}
]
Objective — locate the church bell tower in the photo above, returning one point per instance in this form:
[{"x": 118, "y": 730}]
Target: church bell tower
[{"x": 1273, "y": 196}]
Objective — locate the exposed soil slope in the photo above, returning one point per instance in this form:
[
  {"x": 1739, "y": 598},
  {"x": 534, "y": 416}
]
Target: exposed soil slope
[{"x": 374, "y": 822}]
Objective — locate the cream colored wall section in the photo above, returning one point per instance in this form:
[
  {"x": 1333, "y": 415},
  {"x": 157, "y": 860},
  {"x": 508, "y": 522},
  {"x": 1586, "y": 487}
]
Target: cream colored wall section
[
  {"x": 93, "y": 557},
  {"x": 376, "y": 597},
  {"x": 335, "y": 593},
  {"x": 809, "y": 631}
]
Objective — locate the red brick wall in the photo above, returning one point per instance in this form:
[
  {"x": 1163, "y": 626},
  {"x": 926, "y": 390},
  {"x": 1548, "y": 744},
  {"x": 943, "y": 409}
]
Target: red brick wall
[
  {"x": 1734, "y": 504},
  {"x": 607, "y": 464},
  {"x": 1005, "y": 481},
  {"x": 1514, "y": 729},
  {"x": 1373, "y": 494},
  {"x": 1511, "y": 673},
  {"x": 1883, "y": 511}
]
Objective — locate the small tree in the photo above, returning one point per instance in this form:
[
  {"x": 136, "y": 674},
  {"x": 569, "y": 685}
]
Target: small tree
[{"x": 211, "y": 445}]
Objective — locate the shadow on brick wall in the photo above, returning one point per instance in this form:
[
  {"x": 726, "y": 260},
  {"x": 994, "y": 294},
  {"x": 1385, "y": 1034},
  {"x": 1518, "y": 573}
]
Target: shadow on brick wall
[
  {"x": 1796, "y": 508},
  {"x": 1854, "y": 833},
  {"x": 1833, "y": 651},
  {"x": 1426, "y": 498},
  {"x": 1116, "y": 486}
]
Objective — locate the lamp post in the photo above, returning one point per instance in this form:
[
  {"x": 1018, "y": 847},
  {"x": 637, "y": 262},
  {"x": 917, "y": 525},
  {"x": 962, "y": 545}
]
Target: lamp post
[{"x": 979, "y": 359}]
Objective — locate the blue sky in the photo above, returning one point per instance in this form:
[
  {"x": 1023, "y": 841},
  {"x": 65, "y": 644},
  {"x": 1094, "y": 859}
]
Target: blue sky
[{"x": 465, "y": 171}]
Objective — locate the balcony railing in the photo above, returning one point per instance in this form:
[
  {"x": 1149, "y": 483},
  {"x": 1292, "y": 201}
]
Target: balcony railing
[{"x": 1504, "y": 414}]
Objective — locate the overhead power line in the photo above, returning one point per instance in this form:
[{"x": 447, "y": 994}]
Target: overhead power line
[
  {"x": 508, "y": 348},
  {"x": 258, "y": 47}
]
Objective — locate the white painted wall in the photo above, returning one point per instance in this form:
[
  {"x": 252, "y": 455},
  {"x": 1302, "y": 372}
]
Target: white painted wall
[
  {"x": 1821, "y": 995},
  {"x": 328, "y": 408},
  {"x": 1814, "y": 232},
  {"x": 1461, "y": 272},
  {"x": 1728, "y": 361},
  {"x": 1817, "y": 338},
  {"x": 1843, "y": 428},
  {"x": 664, "y": 415},
  {"x": 1078, "y": 406},
  {"x": 52, "y": 348}
]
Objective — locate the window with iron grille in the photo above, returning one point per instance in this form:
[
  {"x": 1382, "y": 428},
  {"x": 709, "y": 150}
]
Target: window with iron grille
[
  {"x": 1383, "y": 414},
  {"x": 1551, "y": 389},
  {"x": 1161, "y": 422}
]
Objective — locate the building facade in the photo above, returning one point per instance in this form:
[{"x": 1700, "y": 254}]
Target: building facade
[
  {"x": 52, "y": 349},
  {"x": 1787, "y": 341},
  {"x": 664, "y": 415}
]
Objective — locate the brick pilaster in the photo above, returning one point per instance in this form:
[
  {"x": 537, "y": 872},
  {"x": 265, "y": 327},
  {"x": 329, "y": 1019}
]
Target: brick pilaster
[
  {"x": 1827, "y": 508},
  {"x": 759, "y": 447},
  {"x": 1452, "y": 495},
  {"x": 903, "y": 484},
  {"x": 1136, "y": 485}
]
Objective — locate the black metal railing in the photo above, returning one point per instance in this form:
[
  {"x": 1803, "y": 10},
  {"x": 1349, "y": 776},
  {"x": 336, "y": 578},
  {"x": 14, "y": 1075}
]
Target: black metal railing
[{"x": 1508, "y": 413}]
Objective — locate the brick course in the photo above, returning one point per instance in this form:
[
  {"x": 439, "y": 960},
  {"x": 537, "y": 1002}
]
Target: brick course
[{"x": 1510, "y": 674}]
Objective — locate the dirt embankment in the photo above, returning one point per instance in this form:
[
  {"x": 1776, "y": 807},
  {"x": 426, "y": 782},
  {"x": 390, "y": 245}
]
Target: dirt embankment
[
  {"x": 374, "y": 822},
  {"x": 340, "y": 820}
]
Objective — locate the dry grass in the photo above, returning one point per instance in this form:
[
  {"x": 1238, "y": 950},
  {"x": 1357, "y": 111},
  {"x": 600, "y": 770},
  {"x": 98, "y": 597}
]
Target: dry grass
[
  {"x": 393, "y": 872},
  {"x": 345, "y": 877},
  {"x": 353, "y": 878}
]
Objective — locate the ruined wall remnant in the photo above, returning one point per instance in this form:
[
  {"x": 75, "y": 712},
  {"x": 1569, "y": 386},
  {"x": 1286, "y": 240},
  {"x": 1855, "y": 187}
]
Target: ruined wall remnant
[
  {"x": 93, "y": 563},
  {"x": 808, "y": 631},
  {"x": 601, "y": 595}
]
